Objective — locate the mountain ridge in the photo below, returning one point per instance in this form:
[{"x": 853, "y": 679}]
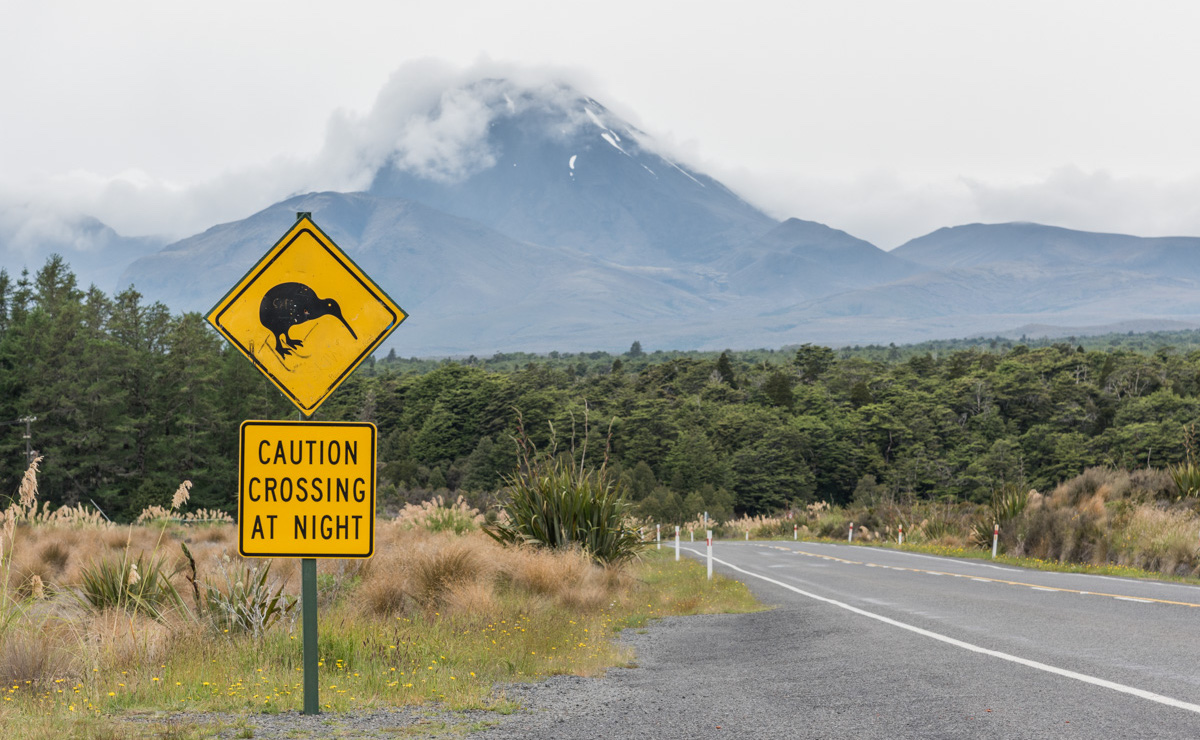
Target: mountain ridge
[{"x": 539, "y": 220}]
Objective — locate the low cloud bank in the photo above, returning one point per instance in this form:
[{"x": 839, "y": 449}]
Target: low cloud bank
[
  {"x": 887, "y": 209},
  {"x": 431, "y": 118}
]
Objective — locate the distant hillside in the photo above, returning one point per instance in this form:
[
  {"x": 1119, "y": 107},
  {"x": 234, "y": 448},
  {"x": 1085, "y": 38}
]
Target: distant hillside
[
  {"x": 800, "y": 260},
  {"x": 463, "y": 284},
  {"x": 95, "y": 252},
  {"x": 1050, "y": 247}
]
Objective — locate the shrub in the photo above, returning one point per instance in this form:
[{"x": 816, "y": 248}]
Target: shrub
[
  {"x": 833, "y": 523},
  {"x": 246, "y": 603},
  {"x": 142, "y": 586},
  {"x": 437, "y": 516},
  {"x": 436, "y": 571},
  {"x": 1109, "y": 516},
  {"x": 556, "y": 504},
  {"x": 1186, "y": 476},
  {"x": 1008, "y": 502}
]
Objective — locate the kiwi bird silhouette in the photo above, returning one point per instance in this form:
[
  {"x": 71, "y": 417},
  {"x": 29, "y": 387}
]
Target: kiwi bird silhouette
[{"x": 290, "y": 304}]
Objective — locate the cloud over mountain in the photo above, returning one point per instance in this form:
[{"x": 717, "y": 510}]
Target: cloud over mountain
[
  {"x": 431, "y": 118},
  {"x": 513, "y": 210}
]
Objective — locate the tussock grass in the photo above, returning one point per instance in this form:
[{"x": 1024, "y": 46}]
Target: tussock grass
[
  {"x": 1110, "y": 517},
  {"x": 1130, "y": 523},
  {"x": 32, "y": 655},
  {"x": 434, "y": 617}
]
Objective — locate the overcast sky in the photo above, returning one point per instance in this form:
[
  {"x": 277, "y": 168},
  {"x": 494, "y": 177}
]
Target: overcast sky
[{"x": 885, "y": 119}]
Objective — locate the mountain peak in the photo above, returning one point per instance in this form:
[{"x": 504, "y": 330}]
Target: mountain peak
[{"x": 551, "y": 165}]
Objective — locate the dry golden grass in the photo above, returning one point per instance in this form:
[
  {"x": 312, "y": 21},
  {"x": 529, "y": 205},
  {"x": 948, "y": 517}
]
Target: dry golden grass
[
  {"x": 113, "y": 639},
  {"x": 468, "y": 574},
  {"x": 433, "y": 617},
  {"x": 1158, "y": 539},
  {"x": 475, "y": 598},
  {"x": 1109, "y": 517},
  {"x": 37, "y": 652},
  {"x": 423, "y": 572}
]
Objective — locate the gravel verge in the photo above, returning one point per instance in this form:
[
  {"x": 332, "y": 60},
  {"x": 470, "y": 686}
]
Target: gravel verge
[
  {"x": 694, "y": 677},
  {"x": 389, "y": 722},
  {"x": 625, "y": 703}
]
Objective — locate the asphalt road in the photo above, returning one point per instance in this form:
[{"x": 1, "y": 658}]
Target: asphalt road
[{"x": 872, "y": 643}]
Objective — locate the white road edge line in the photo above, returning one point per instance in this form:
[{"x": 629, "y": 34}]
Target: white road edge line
[{"x": 1140, "y": 693}]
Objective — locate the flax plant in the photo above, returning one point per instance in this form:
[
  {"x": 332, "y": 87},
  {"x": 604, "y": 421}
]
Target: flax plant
[
  {"x": 247, "y": 603},
  {"x": 1186, "y": 475},
  {"x": 557, "y": 503},
  {"x": 141, "y": 585}
]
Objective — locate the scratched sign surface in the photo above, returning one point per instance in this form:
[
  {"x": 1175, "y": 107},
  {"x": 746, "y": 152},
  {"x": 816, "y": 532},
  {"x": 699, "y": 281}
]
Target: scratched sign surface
[{"x": 306, "y": 315}]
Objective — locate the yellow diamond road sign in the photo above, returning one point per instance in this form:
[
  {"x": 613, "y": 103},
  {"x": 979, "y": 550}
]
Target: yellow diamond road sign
[
  {"x": 306, "y": 315},
  {"x": 306, "y": 489}
]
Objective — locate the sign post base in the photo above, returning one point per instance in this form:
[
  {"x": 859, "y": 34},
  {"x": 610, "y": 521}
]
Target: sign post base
[{"x": 308, "y": 608}]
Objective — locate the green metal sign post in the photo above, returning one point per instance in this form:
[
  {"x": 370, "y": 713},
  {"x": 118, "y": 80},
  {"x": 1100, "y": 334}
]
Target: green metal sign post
[
  {"x": 308, "y": 609},
  {"x": 308, "y": 616}
]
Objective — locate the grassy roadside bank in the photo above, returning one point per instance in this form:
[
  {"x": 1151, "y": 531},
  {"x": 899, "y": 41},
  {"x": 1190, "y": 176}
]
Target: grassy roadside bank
[
  {"x": 972, "y": 553},
  {"x": 436, "y": 619},
  {"x": 1139, "y": 524}
]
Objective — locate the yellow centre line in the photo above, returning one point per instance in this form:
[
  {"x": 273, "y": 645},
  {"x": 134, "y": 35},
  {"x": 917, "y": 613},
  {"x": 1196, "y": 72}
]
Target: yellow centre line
[{"x": 1034, "y": 586}]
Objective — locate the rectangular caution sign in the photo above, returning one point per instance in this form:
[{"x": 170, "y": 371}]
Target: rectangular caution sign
[{"x": 306, "y": 489}]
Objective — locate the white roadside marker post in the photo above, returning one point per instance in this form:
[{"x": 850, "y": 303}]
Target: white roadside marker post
[
  {"x": 691, "y": 535},
  {"x": 657, "y": 536},
  {"x": 747, "y": 535},
  {"x": 795, "y": 531},
  {"x": 851, "y": 537},
  {"x": 901, "y": 534},
  {"x": 677, "y": 543},
  {"x": 710, "y": 554},
  {"x": 995, "y": 538}
]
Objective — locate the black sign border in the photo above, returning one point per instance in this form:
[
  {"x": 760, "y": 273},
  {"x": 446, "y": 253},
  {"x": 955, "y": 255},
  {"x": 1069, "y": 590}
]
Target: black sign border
[{"x": 242, "y": 490}]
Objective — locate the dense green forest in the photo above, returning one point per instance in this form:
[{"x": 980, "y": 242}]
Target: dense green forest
[{"x": 130, "y": 400}]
